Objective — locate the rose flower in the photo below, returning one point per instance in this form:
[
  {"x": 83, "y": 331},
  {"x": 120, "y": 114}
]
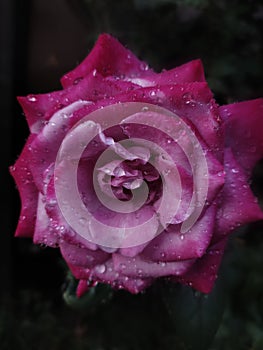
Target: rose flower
[{"x": 137, "y": 175}]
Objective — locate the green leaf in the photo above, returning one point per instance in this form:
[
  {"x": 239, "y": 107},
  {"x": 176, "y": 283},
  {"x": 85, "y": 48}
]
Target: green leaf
[{"x": 196, "y": 316}]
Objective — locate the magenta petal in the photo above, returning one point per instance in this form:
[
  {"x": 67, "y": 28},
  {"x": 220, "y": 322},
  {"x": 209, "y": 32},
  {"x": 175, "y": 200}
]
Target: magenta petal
[
  {"x": 28, "y": 192},
  {"x": 135, "y": 285},
  {"x": 63, "y": 229},
  {"x": 244, "y": 131},
  {"x": 203, "y": 273},
  {"x": 40, "y": 108},
  {"x": 171, "y": 245},
  {"x": 84, "y": 257},
  {"x": 44, "y": 232},
  {"x": 238, "y": 203},
  {"x": 82, "y": 288},
  {"x": 133, "y": 251},
  {"x": 108, "y": 57},
  {"x": 105, "y": 273},
  {"x": 123, "y": 230},
  {"x": 177, "y": 152},
  {"x": 186, "y": 73},
  {"x": 193, "y": 102},
  {"x": 138, "y": 267}
]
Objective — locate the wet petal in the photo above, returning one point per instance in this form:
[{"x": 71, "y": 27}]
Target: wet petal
[
  {"x": 28, "y": 192},
  {"x": 84, "y": 257},
  {"x": 186, "y": 73},
  {"x": 138, "y": 267},
  {"x": 44, "y": 232},
  {"x": 238, "y": 204},
  {"x": 203, "y": 273},
  {"x": 244, "y": 129},
  {"x": 108, "y": 57},
  {"x": 172, "y": 245}
]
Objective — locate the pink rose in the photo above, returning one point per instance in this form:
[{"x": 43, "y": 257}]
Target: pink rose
[{"x": 137, "y": 175}]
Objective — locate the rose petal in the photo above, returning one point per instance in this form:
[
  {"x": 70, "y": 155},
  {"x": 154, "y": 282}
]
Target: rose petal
[
  {"x": 82, "y": 288},
  {"x": 238, "y": 203},
  {"x": 44, "y": 231},
  {"x": 138, "y": 267},
  {"x": 190, "y": 101},
  {"x": 28, "y": 192},
  {"x": 171, "y": 245},
  {"x": 40, "y": 108},
  {"x": 84, "y": 257},
  {"x": 244, "y": 131},
  {"x": 105, "y": 273},
  {"x": 63, "y": 229},
  {"x": 203, "y": 273},
  {"x": 186, "y": 73},
  {"x": 108, "y": 57},
  {"x": 181, "y": 148}
]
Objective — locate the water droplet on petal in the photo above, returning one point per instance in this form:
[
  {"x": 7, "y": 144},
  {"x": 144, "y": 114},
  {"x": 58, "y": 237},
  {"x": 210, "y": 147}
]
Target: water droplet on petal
[
  {"x": 32, "y": 98},
  {"x": 144, "y": 66},
  {"x": 100, "y": 268},
  {"x": 234, "y": 171}
]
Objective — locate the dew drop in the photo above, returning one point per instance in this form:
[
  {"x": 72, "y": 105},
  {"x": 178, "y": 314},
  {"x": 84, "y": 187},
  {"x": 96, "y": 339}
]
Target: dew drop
[
  {"x": 221, "y": 173},
  {"x": 144, "y": 66},
  {"x": 100, "y": 268},
  {"x": 76, "y": 81},
  {"x": 32, "y": 98},
  {"x": 83, "y": 221},
  {"x": 145, "y": 109},
  {"x": 234, "y": 171}
]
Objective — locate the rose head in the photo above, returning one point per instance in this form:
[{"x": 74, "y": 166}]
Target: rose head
[{"x": 136, "y": 175}]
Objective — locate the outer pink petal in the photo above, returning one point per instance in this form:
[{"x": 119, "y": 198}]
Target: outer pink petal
[
  {"x": 105, "y": 273},
  {"x": 82, "y": 288},
  {"x": 44, "y": 231},
  {"x": 108, "y": 57},
  {"x": 84, "y": 257},
  {"x": 203, "y": 273},
  {"x": 172, "y": 245},
  {"x": 244, "y": 131},
  {"x": 238, "y": 203},
  {"x": 40, "y": 108},
  {"x": 64, "y": 231},
  {"x": 190, "y": 101},
  {"x": 28, "y": 192},
  {"x": 138, "y": 267},
  {"x": 187, "y": 73}
]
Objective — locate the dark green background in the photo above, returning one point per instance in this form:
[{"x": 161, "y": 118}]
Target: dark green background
[{"x": 41, "y": 40}]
